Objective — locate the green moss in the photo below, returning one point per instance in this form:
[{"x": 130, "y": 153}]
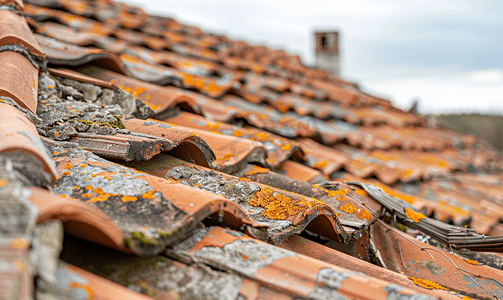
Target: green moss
[
  {"x": 167, "y": 234},
  {"x": 144, "y": 240},
  {"x": 128, "y": 243},
  {"x": 115, "y": 124}
]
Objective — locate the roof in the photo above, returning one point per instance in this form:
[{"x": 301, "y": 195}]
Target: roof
[{"x": 145, "y": 158}]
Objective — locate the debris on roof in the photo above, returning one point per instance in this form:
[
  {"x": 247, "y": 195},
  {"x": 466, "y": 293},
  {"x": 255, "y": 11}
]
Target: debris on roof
[{"x": 144, "y": 158}]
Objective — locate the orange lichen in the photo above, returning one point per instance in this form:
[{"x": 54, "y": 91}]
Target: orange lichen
[
  {"x": 148, "y": 195},
  {"x": 349, "y": 208},
  {"x": 82, "y": 165},
  {"x": 84, "y": 287},
  {"x": 237, "y": 133},
  {"x": 336, "y": 193},
  {"x": 87, "y": 195},
  {"x": 426, "y": 283},
  {"x": 286, "y": 147},
  {"x": 128, "y": 198},
  {"x": 19, "y": 243},
  {"x": 413, "y": 215},
  {"x": 3, "y": 182},
  {"x": 66, "y": 173},
  {"x": 63, "y": 196},
  {"x": 472, "y": 262},
  {"x": 76, "y": 187},
  {"x": 257, "y": 170},
  {"x": 361, "y": 192},
  {"x": 228, "y": 156},
  {"x": 89, "y": 187},
  {"x": 245, "y": 257},
  {"x": 278, "y": 206},
  {"x": 56, "y": 133},
  {"x": 321, "y": 164},
  {"x": 55, "y": 153}
]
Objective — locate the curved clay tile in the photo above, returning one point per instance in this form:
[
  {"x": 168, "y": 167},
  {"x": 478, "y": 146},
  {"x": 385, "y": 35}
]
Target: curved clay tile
[
  {"x": 20, "y": 140},
  {"x": 16, "y": 4},
  {"x": 281, "y": 269},
  {"x": 181, "y": 141},
  {"x": 64, "y": 54},
  {"x": 78, "y": 218},
  {"x": 21, "y": 83},
  {"x": 151, "y": 212},
  {"x": 232, "y": 152},
  {"x": 75, "y": 281},
  {"x": 435, "y": 268},
  {"x": 160, "y": 99},
  {"x": 312, "y": 249},
  {"x": 15, "y": 31},
  {"x": 300, "y": 172},
  {"x": 279, "y": 149}
]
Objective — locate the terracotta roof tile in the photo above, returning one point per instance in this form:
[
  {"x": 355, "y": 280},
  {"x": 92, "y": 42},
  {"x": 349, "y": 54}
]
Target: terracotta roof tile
[
  {"x": 64, "y": 54},
  {"x": 18, "y": 135},
  {"x": 282, "y": 129},
  {"x": 295, "y": 274},
  {"x": 15, "y": 31},
  {"x": 133, "y": 199},
  {"x": 278, "y": 148},
  {"x": 21, "y": 82}
]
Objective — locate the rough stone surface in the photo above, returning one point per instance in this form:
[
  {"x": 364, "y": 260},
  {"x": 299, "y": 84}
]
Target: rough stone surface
[
  {"x": 327, "y": 283},
  {"x": 244, "y": 257}
]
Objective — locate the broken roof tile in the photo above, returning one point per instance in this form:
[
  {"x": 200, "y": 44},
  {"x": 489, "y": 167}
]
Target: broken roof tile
[{"x": 435, "y": 268}]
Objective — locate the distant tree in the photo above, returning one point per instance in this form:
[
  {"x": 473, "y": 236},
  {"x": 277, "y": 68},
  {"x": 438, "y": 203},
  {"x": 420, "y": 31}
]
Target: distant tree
[{"x": 414, "y": 108}]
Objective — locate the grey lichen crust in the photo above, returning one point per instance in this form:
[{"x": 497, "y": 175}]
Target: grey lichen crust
[
  {"x": 239, "y": 192},
  {"x": 67, "y": 107},
  {"x": 327, "y": 283},
  {"x": 148, "y": 220},
  {"x": 244, "y": 257}
]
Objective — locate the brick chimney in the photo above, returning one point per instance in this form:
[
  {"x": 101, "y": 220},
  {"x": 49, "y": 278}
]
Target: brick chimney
[{"x": 327, "y": 51}]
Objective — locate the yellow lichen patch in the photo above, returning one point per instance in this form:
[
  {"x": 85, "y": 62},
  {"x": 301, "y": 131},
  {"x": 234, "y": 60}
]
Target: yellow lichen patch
[
  {"x": 87, "y": 195},
  {"x": 321, "y": 164},
  {"x": 278, "y": 206},
  {"x": 413, "y": 215},
  {"x": 336, "y": 193},
  {"x": 228, "y": 156},
  {"x": 68, "y": 165},
  {"x": 361, "y": 192},
  {"x": 237, "y": 133},
  {"x": 472, "y": 262},
  {"x": 262, "y": 137},
  {"x": 427, "y": 284},
  {"x": 19, "y": 243},
  {"x": 55, "y": 153},
  {"x": 349, "y": 208},
  {"x": 128, "y": 198},
  {"x": 364, "y": 215},
  {"x": 286, "y": 147},
  {"x": 148, "y": 195},
  {"x": 257, "y": 170},
  {"x": 84, "y": 287},
  {"x": 102, "y": 197},
  {"x": 3, "y": 182}
]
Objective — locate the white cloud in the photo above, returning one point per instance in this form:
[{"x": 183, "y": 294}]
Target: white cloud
[{"x": 487, "y": 76}]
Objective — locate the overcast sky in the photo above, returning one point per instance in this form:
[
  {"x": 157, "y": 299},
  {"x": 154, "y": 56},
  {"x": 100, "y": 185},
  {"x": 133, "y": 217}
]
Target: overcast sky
[{"x": 448, "y": 54}]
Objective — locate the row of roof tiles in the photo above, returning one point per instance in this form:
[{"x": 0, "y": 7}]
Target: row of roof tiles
[{"x": 129, "y": 210}]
